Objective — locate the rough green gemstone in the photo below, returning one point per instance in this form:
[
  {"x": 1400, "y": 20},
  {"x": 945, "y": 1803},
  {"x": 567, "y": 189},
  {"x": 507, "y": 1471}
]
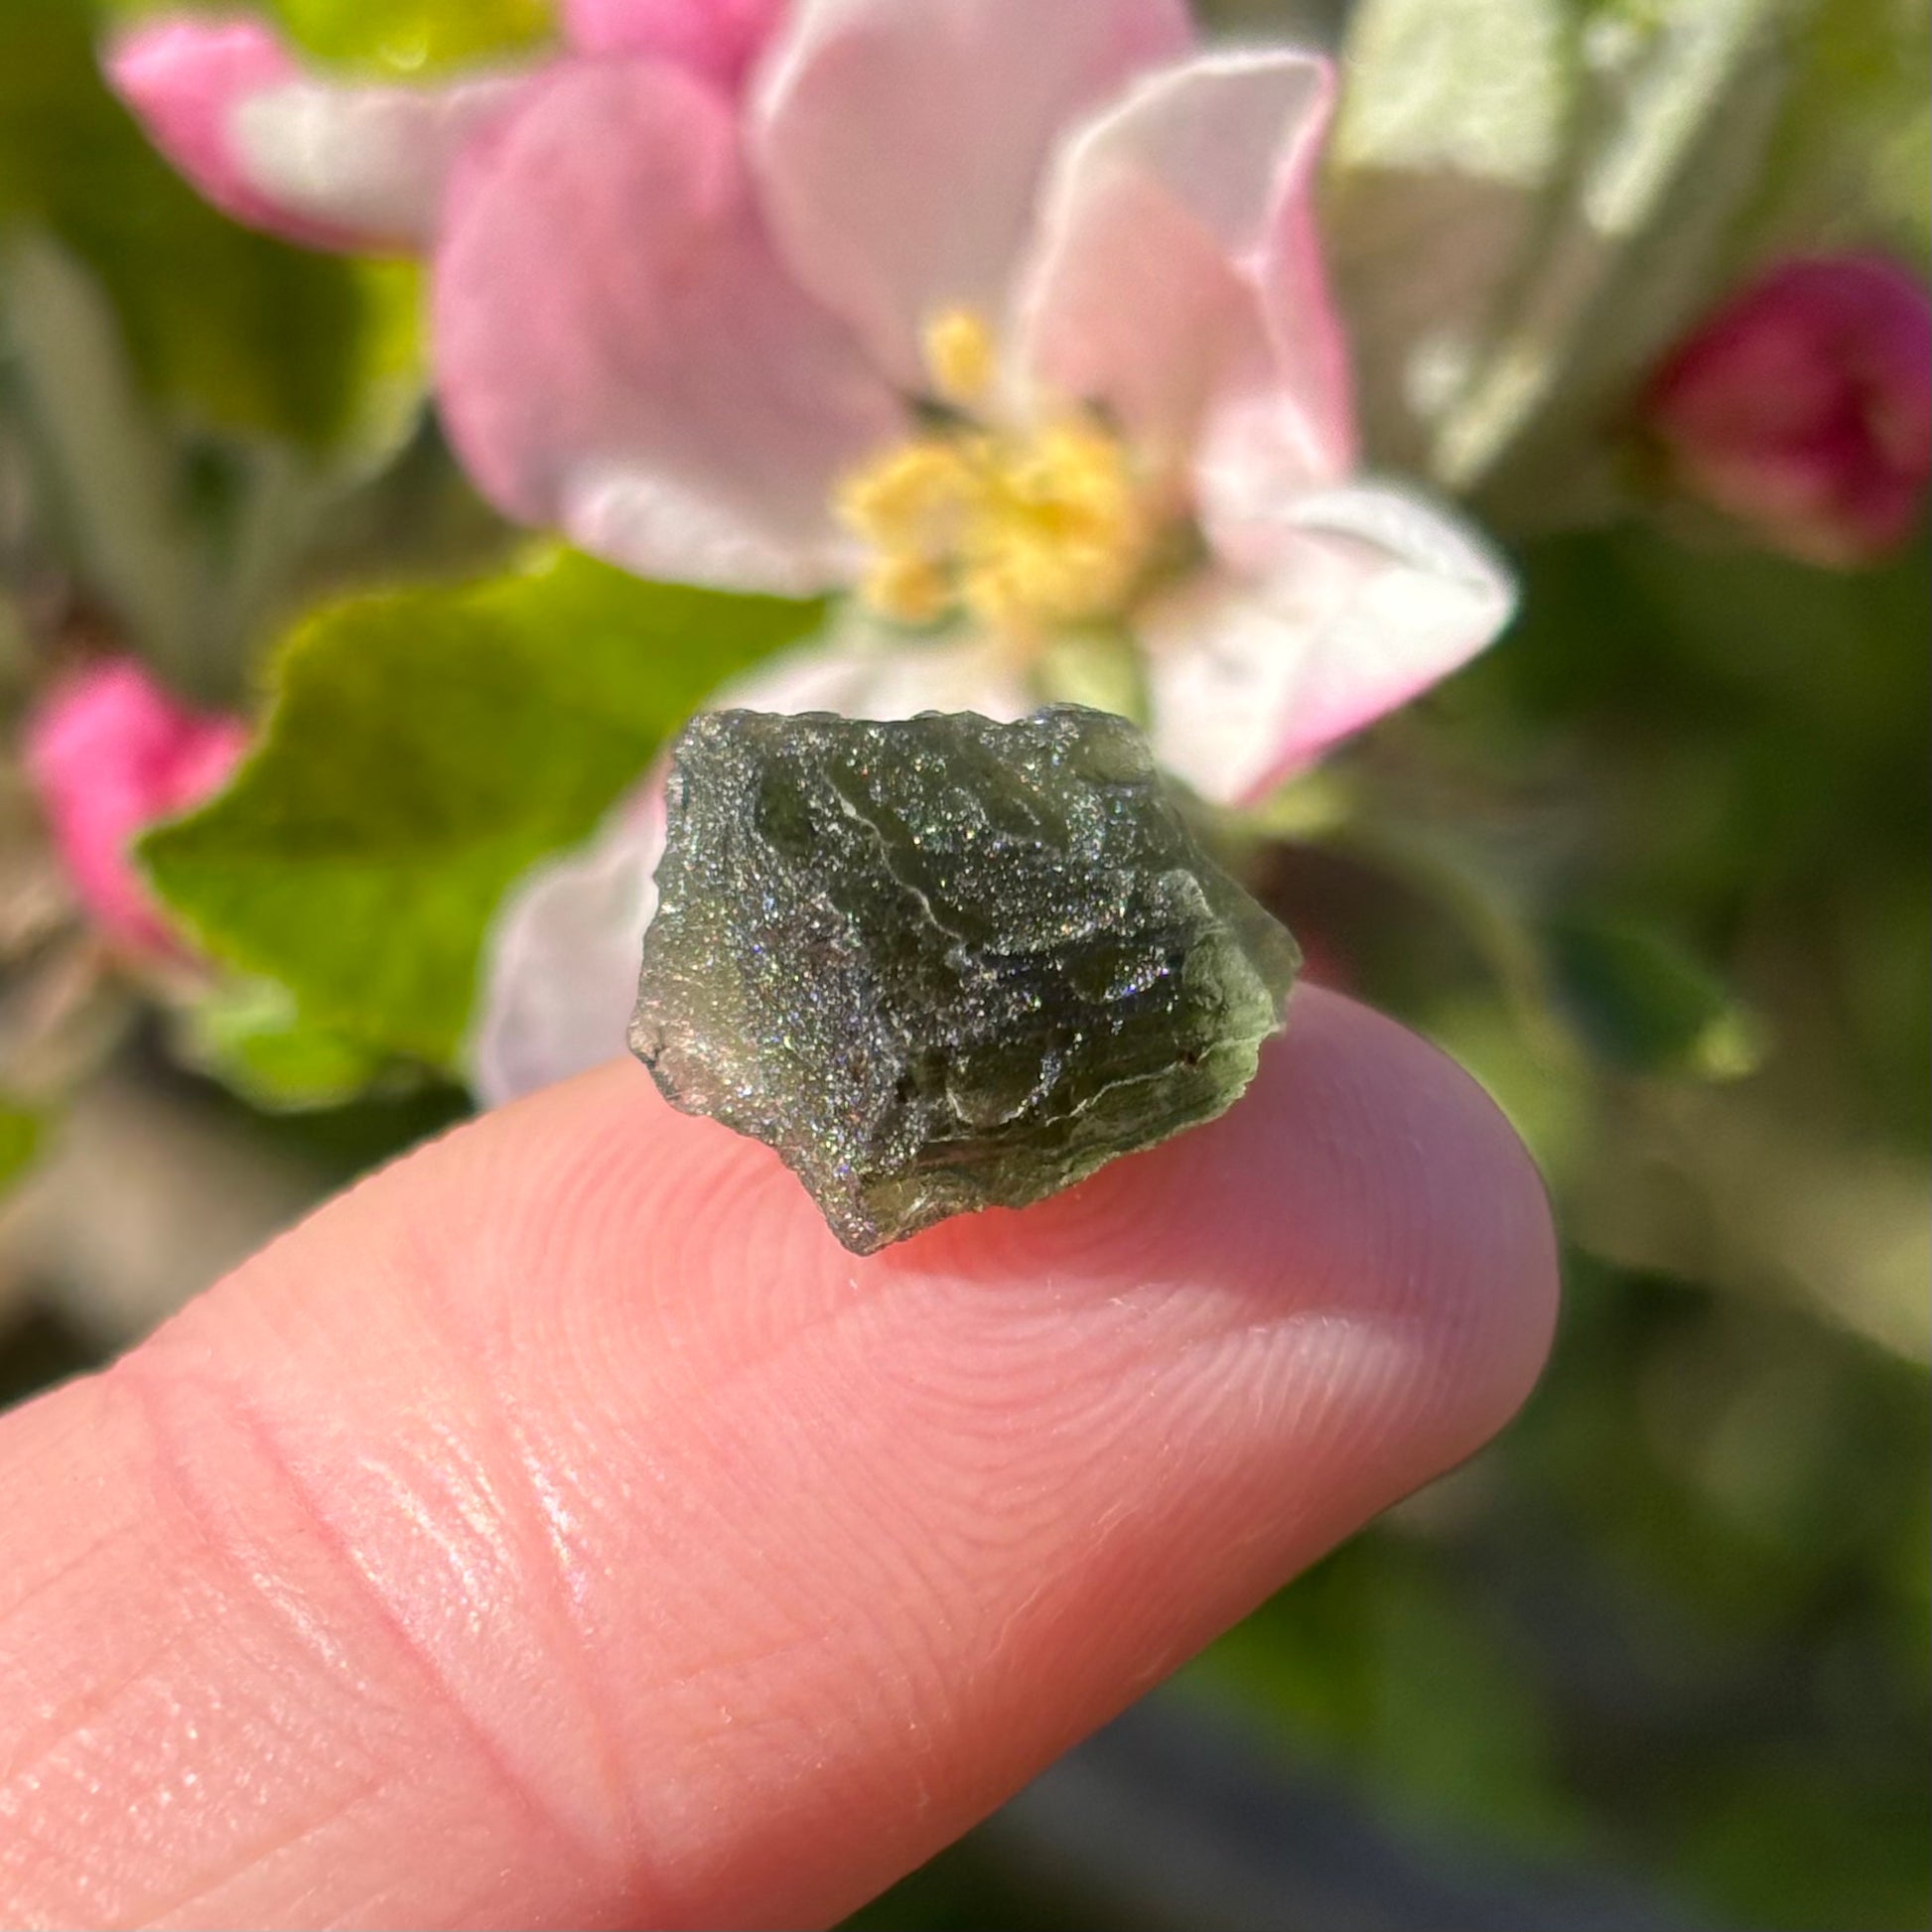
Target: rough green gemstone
[{"x": 946, "y": 963}]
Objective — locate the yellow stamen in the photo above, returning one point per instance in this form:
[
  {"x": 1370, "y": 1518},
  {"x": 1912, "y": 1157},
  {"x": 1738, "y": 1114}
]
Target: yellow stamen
[
  {"x": 960, "y": 357},
  {"x": 910, "y": 590},
  {"x": 1061, "y": 531},
  {"x": 914, "y": 500},
  {"x": 1026, "y": 530}
]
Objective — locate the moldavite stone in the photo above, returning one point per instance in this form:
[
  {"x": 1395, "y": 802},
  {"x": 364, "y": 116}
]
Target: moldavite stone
[{"x": 945, "y": 963}]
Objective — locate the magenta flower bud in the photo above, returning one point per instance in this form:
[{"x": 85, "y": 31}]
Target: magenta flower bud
[
  {"x": 110, "y": 753},
  {"x": 1802, "y": 408}
]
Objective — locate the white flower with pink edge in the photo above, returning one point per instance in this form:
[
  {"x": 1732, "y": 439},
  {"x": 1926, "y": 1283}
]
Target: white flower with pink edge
[{"x": 1008, "y": 318}]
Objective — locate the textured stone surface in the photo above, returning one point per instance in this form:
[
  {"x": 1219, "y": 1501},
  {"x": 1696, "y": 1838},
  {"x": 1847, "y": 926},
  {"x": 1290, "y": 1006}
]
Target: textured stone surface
[{"x": 945, "y": 964}]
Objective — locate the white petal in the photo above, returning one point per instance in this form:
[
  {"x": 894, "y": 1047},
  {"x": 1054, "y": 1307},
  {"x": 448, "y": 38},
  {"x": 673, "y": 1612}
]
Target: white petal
[
  {"x": 1256, "y": 451},
  {"x": 867, "y": 673},
  {"x": 1161, "y": 231},
  {"x": 560, "y": 974},
  {"x": 634, "y": 514},
  {"x": 1372, "y": 596},
  {"x": 901, "y": 143},
  {"x": 367, "y": 160}
]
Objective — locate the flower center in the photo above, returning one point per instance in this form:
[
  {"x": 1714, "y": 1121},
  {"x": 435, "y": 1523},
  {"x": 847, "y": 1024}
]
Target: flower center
[{"x": 1025, "y": 527}]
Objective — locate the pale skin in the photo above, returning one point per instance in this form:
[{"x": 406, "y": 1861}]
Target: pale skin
[{"x": 560, "y": 1529}]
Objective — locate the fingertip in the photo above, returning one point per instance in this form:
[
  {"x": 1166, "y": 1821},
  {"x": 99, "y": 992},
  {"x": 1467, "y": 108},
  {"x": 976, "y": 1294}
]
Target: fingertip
[
  {"x": 1365, "y": 1177},
  {"x": 1479, "y": 1228},
  {"x": 572, "y": 1490}
]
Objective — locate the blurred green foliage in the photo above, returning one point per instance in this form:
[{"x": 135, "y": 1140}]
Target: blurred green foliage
[
  {"x": 20, "y": 1139},
  {"x": 229, "y": 329},
  {"x": 407, "y": 36},
  {"x": 1852, "y": 158},
  {"x": 194, "y": 398},
  {"x": 1678, "y": 1616},
  {"x": 1674, "y": 1622}
]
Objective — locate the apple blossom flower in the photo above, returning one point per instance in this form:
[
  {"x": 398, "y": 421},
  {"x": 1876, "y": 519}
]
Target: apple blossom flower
[
  {"x": 1006, "y": 319},
  {"x": 1009, "y": 318},
  {"x": 1096, "y": 389},
  {"x": 109, "y": 753},
  {"x": 1801, "y": 409}
]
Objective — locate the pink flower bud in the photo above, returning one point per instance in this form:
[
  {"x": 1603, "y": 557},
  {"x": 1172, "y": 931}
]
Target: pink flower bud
[
  {"x": 109, "y": 753},
  {"x": 1802, "y": 408}
]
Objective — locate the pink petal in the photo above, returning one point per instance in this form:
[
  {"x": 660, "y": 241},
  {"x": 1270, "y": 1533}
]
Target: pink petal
[
  {"x": 333, "y": 166},
  {"x": 620, "y": 353},
  {"x": 182, "y": 78},
  {"x": 874, "y": 675},
  {"x": 1172, "y": 223},
  {"x": 1305, "y": 324},
  {"x": 560, "y": 970},
  {"x": 1373, "y": 596},
  {"x": 1282, "y": 420},
  {"x": 110, "y": 753},
  {"x": 719, "y": 38},
  {"x": 902, "y": 146}
]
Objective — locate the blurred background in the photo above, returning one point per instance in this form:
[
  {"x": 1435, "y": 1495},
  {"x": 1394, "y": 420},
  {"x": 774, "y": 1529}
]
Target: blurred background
[{"x": 1655, "y": 869}]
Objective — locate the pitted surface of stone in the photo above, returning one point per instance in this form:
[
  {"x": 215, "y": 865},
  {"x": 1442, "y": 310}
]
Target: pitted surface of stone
[{"x": 945, "y": 964}]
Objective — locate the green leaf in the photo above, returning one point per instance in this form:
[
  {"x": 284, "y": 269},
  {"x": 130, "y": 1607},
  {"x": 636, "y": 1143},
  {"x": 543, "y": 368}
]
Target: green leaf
[
  {"x": 234, "y": 331},
  {"x": 250, "y": 1036},
  {"x": 404, "y": 38},
  {"x": 1451, "y": 141},
  {"x": 1450, "y": 147},
  {"x": 1644, "y": 1006},
  {"x": 1529, "y": 200},
  {"x": 1684, "y": 101},
  {"x": 424, "y": 750}
]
